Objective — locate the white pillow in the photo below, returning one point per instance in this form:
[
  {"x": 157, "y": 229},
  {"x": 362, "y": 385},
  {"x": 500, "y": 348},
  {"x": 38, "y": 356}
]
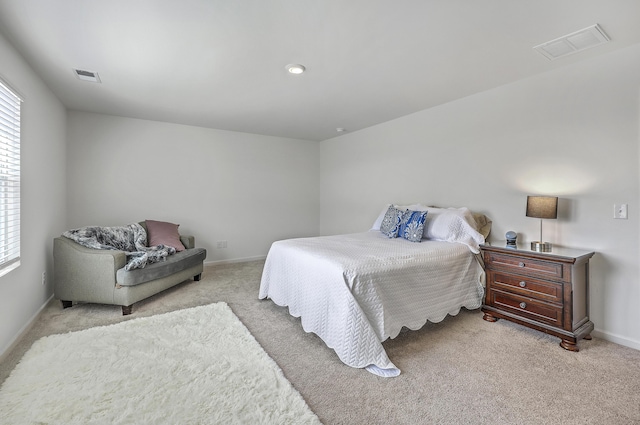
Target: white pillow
[
  {"x": 414, "y": 207},
  {"x": 453, "y": 225}
]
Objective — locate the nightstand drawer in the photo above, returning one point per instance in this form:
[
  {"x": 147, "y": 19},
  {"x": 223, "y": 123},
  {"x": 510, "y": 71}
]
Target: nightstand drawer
[
  {"x": 528, "y": 287},
  {"x": 546, "y": 269},
  {"x": 526, "y": 307}
]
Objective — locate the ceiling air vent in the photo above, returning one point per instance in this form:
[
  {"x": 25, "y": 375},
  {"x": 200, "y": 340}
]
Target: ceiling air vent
[
  {"x": 573, "y": 43},
  {"x": 87, "y": 75}
]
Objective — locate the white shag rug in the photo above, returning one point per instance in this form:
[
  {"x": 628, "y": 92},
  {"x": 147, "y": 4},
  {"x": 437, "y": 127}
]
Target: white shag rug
[{"x": 195, "y": 366}]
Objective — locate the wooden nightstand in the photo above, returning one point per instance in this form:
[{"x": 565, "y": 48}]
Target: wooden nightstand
[{"x": 547, "y": 291}]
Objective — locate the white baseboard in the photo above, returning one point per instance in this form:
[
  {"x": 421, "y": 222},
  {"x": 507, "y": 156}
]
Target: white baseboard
[
  {"x": 608, "y": 336},
  {"x": 16, "y": 340},
  {"x": 236, "y": 260}
]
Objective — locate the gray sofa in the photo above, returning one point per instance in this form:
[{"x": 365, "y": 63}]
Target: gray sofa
[{"x": 84, "y": 274}]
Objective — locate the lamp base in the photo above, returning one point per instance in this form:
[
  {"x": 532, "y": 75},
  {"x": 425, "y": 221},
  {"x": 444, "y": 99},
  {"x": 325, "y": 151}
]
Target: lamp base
[{"x": 541, "y": 246}]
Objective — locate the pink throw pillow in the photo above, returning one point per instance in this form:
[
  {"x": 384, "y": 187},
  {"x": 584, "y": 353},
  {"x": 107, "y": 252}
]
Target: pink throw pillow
[{"x": 163, "y": 233}]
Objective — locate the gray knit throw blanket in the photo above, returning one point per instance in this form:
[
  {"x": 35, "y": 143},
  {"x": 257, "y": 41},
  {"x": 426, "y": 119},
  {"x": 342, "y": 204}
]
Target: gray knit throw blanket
[{"x": 132, "y": 239}]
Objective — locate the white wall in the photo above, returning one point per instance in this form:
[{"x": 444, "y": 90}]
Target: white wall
[
  {"x": 572, "y": 132},
  {"x": 246, "y": 189},
  {"x": 43, "y": 195}
]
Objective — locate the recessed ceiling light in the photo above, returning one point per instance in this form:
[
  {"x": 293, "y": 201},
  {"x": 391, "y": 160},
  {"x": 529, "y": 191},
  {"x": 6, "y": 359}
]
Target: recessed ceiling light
[
  {"x": 340, "y": 130},
  {"x": 295, "y": 68}
]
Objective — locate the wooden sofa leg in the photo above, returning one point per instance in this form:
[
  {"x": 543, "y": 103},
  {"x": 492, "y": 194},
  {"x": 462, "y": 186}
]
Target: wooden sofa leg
[
  {"x": 66, "y": 304},
  {"x": 126, "y": 310},
  {"x": 197, "y": 277}
]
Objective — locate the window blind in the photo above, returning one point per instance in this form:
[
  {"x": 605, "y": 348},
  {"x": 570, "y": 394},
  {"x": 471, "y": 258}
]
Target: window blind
[{"x": 9, "y": 179}]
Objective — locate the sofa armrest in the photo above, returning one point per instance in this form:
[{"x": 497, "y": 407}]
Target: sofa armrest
[
  {"x": 85, "y": 274},
  {"x": 188, "y": 241}
]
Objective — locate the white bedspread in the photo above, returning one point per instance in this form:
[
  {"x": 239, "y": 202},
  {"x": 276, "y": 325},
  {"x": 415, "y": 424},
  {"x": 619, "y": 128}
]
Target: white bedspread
[{"x": 355, "y": 291}]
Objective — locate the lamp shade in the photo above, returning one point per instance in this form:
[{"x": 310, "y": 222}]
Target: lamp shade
[{"x": 542, "y": 206}]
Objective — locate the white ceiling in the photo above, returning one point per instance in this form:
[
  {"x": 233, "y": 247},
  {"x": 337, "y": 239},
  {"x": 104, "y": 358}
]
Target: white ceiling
[{"x": 221, "y": 63}]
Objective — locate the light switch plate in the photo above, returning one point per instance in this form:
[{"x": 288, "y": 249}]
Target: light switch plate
[{"x": 620, "y": 211}]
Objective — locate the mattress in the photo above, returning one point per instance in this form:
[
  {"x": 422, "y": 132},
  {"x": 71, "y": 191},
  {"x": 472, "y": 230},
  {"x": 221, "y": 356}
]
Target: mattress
[{"x": 357, "y": 290}]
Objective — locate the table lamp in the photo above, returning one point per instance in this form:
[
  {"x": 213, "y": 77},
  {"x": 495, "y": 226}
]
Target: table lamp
[{"x": 542, "y": 207}]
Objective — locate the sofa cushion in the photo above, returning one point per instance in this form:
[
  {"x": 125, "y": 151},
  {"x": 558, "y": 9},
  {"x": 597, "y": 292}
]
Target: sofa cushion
[{"x": 174, "y": 263}]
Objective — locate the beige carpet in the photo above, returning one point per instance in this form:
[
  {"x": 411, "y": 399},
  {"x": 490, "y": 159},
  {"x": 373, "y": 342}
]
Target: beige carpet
[{"x": 461, "y": 371}]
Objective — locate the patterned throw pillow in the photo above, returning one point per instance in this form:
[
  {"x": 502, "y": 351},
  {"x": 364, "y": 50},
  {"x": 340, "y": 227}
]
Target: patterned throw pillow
[
  {"x": 412, "y": 225},
  {"x": 391, "y": 222}
]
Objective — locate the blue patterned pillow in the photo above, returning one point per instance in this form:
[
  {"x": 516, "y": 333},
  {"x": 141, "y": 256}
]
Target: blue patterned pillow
[
  {"x": 391, "y": 222},
  {"x": 412, "y": 225}
]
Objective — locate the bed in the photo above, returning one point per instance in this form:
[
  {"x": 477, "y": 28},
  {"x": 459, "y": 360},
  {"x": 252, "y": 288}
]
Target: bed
[{"x": 357, "y": 290}]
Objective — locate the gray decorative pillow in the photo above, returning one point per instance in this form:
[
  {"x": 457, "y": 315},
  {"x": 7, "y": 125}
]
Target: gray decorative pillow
[{"x": 391, "y": 222}]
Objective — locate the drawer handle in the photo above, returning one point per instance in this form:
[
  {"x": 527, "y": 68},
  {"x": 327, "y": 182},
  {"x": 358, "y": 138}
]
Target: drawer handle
[
  {"x": 523, "y": 283},
  {"x": 523, "y": 305},
  {"x": 521, "y": 264}
]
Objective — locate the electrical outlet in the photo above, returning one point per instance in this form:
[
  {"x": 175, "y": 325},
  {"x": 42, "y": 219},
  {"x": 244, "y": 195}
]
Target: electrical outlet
[
  {"x": 44, "y": 278},
  {"x": 620, "y": 211},
  {"x": 222, "y": 244}
]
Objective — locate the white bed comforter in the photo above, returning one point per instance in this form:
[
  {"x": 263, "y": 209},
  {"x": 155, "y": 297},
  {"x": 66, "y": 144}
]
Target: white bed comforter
[{"x": 355, "y": 291}]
